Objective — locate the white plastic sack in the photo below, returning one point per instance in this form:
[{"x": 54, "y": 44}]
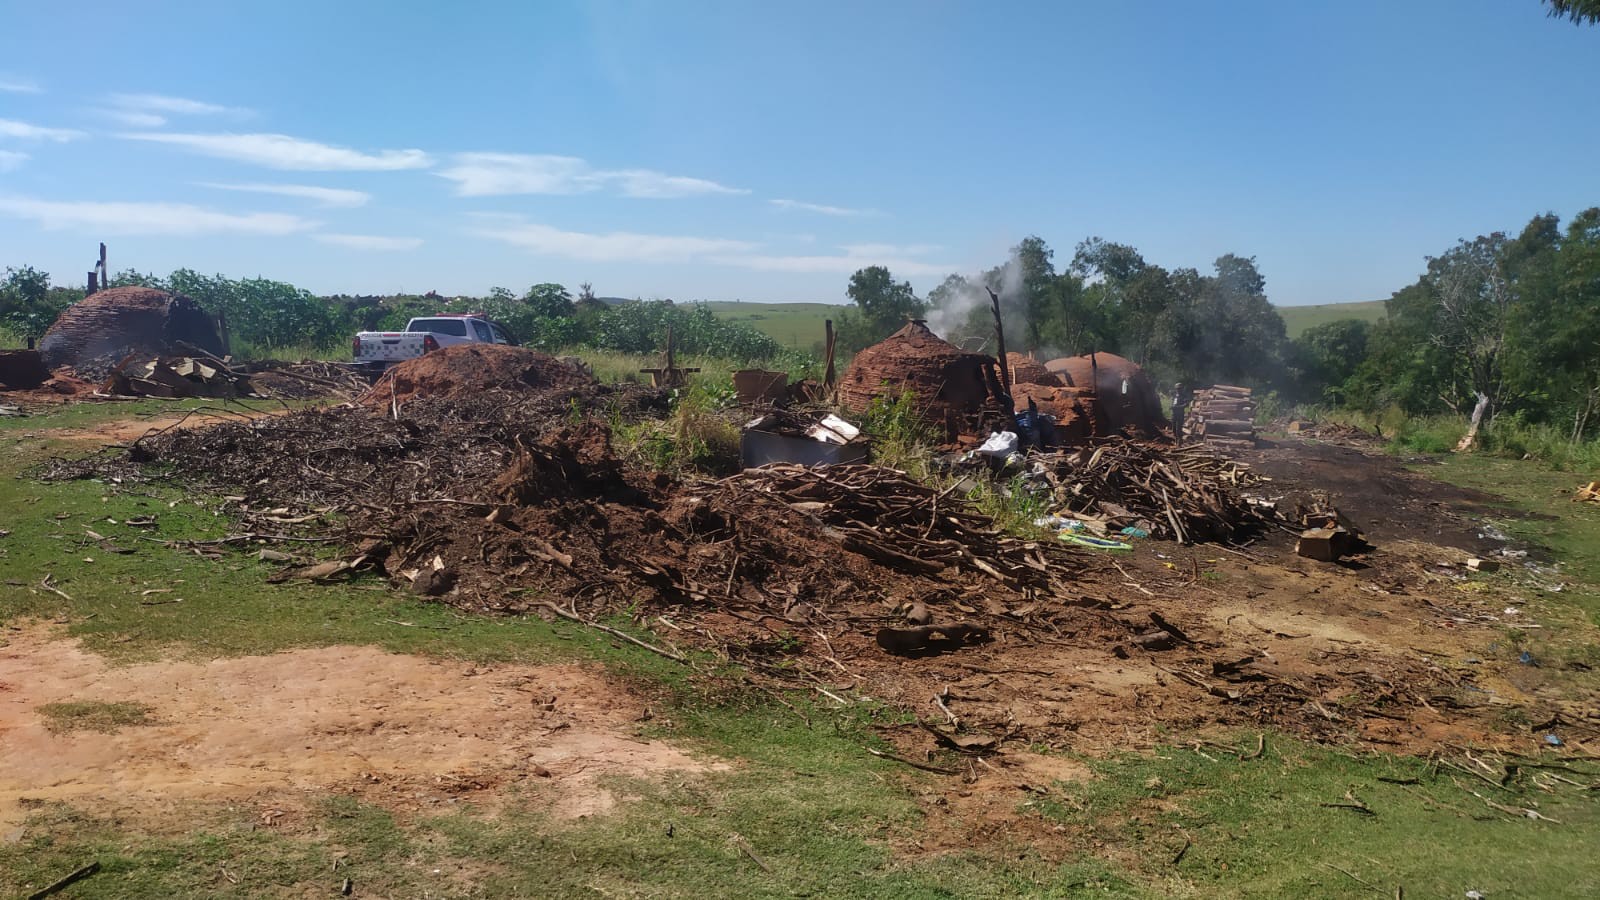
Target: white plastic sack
[{"x": 1000, "y": 444}]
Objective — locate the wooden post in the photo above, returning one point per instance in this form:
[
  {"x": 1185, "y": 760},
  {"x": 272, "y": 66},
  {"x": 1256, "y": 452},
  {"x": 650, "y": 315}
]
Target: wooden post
[
  {"x": 669, "y": 375},
  {"x": 1000, "y": 339},
  {"x": 1005, "y": 365},
  {"x": 828, "y": 375},
  {"x": 105, "y": 273},
  {"x": 93, "y": 273}
]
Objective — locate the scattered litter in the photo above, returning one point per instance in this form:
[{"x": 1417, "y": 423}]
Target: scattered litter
[
  {"x": 1553, "y": 740},
  {"x": 1000, "y": 445},
  {"x": 782, "y": 436},
  {"x": 1089, "y": 540},
  {"x": 1527, "y": 659}
]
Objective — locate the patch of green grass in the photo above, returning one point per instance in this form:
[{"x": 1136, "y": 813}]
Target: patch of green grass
[
  {"x": 86, "y": 413},
  {"x": 1297, "y": 319},
  {"x": 1264, "y": 827},
  {"x": 339, "y": 351},
  {"x": 700, "y": 435},
  {"x": 797, "y": 326},
  {"x": 1549, "y": 518},
  {"x": 94, "y": 715}
]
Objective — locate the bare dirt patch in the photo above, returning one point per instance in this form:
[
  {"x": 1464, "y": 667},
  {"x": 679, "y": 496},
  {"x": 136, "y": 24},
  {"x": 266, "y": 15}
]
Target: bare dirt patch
[
  {"x": 1378, "y": 492},
  {"x": 126, "y": 431},
  {"x": 401, "y": 731}
]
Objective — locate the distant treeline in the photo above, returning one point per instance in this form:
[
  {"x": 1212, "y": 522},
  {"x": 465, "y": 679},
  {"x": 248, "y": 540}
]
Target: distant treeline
[{"x": 267, "y": 317}]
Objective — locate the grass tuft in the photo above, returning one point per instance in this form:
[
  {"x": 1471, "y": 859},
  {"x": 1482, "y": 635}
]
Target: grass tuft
[{"x": 94, "y": 715}]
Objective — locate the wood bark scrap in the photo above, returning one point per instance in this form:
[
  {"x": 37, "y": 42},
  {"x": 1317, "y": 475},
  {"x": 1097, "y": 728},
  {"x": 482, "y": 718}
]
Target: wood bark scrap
[
  {"x": 1184, "y": 494},
  {"x": 913, "y": 528}
]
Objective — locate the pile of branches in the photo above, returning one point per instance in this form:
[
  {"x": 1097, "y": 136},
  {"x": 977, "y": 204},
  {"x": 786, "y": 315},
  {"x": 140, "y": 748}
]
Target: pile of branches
[
  {"x": 302, "y": 380},
  {"x": 906, "y": 525},
  {"x": 1182, "y": 494}
]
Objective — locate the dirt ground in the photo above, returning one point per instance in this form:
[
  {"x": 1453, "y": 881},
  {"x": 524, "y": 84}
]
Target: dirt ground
[
  {"x": 277, "y": 731},
  {"x": 126, "y": 431},
  {"x": 1390, "y": 502}
]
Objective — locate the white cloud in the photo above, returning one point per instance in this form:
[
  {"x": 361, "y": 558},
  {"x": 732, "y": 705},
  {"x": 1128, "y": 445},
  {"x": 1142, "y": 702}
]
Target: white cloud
[
  {"x": 616, "y": 246},
  {"x": 654, "y": 185},
  {"x": 323, "y": 196},
  {"x": 132, "y": 119},
  {"x": 11, "y": 159},
  {"x": 280, "y": 151},
  {"x": 152, "y": 110},
  {"x": 369, "y": 241},
  {"x": 148, "y": 218},
  {"x": 19, "y": 86},
  {"x": 11, "y": 128},
  {"x": 844, "y": 211},
  {"x": 498, "y": 174},
  {"x": 182, "y": 106}
]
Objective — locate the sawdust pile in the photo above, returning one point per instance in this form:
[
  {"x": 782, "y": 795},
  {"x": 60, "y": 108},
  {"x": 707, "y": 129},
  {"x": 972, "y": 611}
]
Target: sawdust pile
[{"x": 468, "y": 370}]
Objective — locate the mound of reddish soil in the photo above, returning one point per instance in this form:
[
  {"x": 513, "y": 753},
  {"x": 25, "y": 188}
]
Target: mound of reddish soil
[{"x": 467, "y": 370}]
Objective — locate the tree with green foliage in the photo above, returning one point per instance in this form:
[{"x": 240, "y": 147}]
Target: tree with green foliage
[
  {"x": 1578, "y": 11},
  {"x": 28, "y": 304},
  {"x": 1324, "y": 357},
  {"x": 1234, "y": 334},
  {"x": 882, "y": 306},
  {"x": 1512, "y": 319},
  {"x": 549, "y": 301}
]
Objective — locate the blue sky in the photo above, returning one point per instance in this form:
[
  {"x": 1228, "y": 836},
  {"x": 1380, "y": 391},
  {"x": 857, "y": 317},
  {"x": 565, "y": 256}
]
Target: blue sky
[{"x": 764, "y": 151}]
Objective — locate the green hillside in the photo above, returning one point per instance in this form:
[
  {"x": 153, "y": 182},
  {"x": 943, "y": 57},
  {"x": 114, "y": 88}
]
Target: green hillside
[
  {"x": 1299, "y": 318},
  {"x": 794, "y": 325}
]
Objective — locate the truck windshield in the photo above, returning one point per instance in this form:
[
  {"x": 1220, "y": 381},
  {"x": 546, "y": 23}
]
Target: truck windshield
[{"x": 452, "y": 327}]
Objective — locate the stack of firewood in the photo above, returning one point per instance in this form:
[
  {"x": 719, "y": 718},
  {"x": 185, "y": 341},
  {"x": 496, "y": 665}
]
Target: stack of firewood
[{"x": 1223, "y": 416}]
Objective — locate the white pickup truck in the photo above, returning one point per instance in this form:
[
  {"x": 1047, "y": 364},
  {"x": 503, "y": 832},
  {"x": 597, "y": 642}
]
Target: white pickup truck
[{"x": 379, "y": 350}]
